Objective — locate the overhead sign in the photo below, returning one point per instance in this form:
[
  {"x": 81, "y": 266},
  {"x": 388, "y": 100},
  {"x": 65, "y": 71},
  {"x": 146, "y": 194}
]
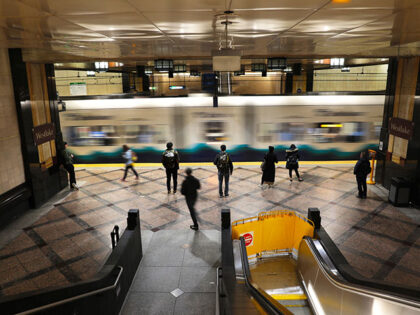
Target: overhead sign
[
  {"x": 401, "y": 127},
  {"x": 43, "y": 133},
  {"x": 78, "y": 88}
]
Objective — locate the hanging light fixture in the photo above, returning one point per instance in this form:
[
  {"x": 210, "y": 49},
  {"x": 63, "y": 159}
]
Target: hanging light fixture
[{"x": 101, "y": 66}]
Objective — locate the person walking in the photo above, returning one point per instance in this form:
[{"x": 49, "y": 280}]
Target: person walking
[
  {"x": 68, "y": 165},
  {"x": 224, "y": 169},
  {"x": 361, "y": 170},
  {"x": 292, "y": 161},
  {"x": 170, "y": 160},
  {"x": 189, "y": 189},
  {"x": 269, "y": 167},
  {"x": 129, "y": 157}
]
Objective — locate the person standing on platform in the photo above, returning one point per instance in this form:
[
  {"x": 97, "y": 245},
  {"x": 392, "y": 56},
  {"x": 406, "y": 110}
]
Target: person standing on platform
[
  {"x": 189, "y": 189},
  {"x": 68, "y": 165},
  {"x": 224, "y": 168},
  {"x": 361, "y": 170},
  {"x": 292, "y": 161},
  {"x": 129, "y": 157},
  {"x": 269, "y": 167},
  {"x": 170, "y": 160}
]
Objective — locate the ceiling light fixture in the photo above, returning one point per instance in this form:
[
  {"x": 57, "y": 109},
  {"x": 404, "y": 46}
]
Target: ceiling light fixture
[
  {"x": 101, "y": 66},
  {"x": 337, "y": 62}
]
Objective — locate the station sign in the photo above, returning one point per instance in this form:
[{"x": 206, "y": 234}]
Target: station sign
[
  {"x": 43, "y": 133},
  {"x": 401, "y": 128}
]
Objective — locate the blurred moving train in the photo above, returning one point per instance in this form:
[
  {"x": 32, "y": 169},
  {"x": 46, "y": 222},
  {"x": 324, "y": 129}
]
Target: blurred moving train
[{"x": 324, "y": 127}]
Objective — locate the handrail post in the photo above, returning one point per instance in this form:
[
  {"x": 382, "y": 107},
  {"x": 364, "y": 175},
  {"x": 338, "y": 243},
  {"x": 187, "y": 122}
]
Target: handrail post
[{"x": 373, "y": 155}]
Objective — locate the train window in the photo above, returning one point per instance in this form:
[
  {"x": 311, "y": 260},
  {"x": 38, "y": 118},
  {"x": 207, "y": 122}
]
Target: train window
[{"x": 214, "y": 131}]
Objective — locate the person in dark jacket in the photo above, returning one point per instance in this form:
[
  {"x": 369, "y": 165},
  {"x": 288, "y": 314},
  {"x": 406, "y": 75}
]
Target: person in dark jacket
[
  {"x": 292, "y": 161},
  {"x": 224, "y": 169},
  {"x": 170, "y": 160},
  {"x": 269, "y": 169},
  {"x": 68, "y": 165},
  {"x": 361, "y": 170},
  {"x": 189, "y": 189}
]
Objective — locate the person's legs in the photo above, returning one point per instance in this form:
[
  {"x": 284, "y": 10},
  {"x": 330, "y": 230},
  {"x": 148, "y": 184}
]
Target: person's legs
[
  {"x": 125, "y": 172},
  {"x": 70, "y": 169},
  {"x": 220, "y": 184},
  {"x": 297, "y": 173},
  {"x": 190, "y": 204},
  {"x": 364, "y": 187},
  {"x": 359, "y": 186},
  {"x": 168, "y": 179},
  {"x": 134, "y": 171},
  {"x": 175, "y": 178},
  {"x": 226, "y": 184},
  {"x": 290, "y": 174}
]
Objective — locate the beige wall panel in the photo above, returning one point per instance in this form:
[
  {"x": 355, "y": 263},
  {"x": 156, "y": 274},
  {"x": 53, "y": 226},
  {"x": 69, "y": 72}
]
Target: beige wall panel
[
  {"x": 103, "y": 83},
  {"x": 372, "y": 78},
  {"x": 11, "y": 162},
  {"x": 400, "y": 147},
  {"x": 391, "y": 143}
]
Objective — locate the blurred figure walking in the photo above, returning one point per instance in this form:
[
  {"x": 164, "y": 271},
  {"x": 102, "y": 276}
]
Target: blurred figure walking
[
  {"x": 68, "y": 165},
  {"x": 189, "y": 189},
  {"x": 170, "y": 160},
  {"x": 361, "y": 170},
  {"x": 269, "y": 167},
  {"x": 292, "y": 161},
  {"x": 129, "y": 157},
  {"x": 224, "y": 168}
]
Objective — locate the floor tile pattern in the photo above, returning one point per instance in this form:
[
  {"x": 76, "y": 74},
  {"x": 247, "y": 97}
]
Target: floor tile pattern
[{"x": 71, "y": 242}]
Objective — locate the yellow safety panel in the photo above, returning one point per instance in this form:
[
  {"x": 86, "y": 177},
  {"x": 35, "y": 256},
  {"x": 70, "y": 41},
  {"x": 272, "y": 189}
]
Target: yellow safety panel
[
  {"x": 289, "y": 296},
  {"x": 272, "y": 230}
]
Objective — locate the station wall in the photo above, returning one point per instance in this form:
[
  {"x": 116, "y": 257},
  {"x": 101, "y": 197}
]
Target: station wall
[
  {"x": 12, "y": 171},
  {"x": 103, "y": 83}
]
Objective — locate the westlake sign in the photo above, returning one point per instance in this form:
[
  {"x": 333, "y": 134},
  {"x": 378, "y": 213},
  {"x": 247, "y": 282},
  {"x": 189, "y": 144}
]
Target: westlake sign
[
  {"x": 43, "y": 133},
  {"x": 401, "y": 128}
]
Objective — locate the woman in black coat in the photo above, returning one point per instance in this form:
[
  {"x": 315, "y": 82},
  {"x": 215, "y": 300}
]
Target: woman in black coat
[
  {"x": 269, "y": 170},
  {"x": 292, "y": 161}
]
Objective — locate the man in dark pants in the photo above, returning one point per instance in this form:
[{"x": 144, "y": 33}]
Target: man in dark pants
[
  {"x": 189, "y": 190},
  {"x": 361, "y": 170},
  {"x": 68, "y": 165},
  {"x": 224, "y": 169},
  {"x": 170, "y": 160}
]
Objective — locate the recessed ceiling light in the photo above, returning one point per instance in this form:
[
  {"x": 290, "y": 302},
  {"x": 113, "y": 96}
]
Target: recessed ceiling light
[{"x": 326, "y": 28}]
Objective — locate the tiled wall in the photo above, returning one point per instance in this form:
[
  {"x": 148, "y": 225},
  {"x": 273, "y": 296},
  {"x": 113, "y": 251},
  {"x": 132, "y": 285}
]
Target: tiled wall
[
  {"x": 369, "y": 78},
  {"x": 103, "y": 83},
  {"x": 11, "y": 162}
]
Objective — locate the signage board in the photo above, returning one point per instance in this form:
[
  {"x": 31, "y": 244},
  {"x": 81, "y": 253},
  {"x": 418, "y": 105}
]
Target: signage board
[
  {"x": 401, "y": 127},
  {"x": 43, "y": 133}
]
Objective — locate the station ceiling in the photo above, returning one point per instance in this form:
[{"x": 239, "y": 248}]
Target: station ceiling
[{"x": 141, "y": 30}]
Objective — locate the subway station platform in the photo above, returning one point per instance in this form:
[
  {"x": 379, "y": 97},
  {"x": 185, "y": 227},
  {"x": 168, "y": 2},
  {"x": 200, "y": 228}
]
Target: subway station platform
[{"x": 68, "y": 239}]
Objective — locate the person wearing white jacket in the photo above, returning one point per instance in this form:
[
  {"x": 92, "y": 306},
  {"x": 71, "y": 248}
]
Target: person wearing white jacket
[{"x": 128, "y": 156}]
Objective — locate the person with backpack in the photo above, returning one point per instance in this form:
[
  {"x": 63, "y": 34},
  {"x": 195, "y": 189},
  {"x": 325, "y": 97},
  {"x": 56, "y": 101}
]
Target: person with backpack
[
  {"x": 170, "y": 160},
  {"x": 269, "y": 167},
  {"x": 224, "y": 168},
  {"x": 361, "y": 170},
  {"x": 189, "y": 189},
  {"x": 67, "y": 160},
  {"x": 129, "y": 157},
  {"x": 292, "y": 162}
]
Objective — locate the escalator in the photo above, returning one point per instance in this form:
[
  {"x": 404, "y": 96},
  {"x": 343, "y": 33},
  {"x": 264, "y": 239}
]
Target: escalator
[{"x": 304, "y": 274}]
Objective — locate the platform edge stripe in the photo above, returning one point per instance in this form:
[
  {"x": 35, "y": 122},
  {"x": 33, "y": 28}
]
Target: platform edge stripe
[{"x": 289, "y": 296}]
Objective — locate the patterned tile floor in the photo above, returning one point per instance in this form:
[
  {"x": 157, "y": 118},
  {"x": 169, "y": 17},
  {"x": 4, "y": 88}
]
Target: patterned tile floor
[{"x": 71, "y": 241}]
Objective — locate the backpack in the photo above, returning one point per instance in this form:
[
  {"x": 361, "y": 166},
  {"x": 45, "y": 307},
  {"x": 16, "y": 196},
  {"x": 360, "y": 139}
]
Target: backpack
[
  {"x": 170, "y": 159},
  {"x": 292, "y": 159},
  {"x": 223, "y": 162}
]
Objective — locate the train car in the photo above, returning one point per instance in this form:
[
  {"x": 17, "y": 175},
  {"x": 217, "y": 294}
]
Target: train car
[{"x": 324, "y": 127}]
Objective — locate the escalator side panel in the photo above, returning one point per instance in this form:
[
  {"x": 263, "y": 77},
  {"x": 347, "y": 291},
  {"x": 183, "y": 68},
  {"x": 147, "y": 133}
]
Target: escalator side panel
[{"x": 328, "y": 295}]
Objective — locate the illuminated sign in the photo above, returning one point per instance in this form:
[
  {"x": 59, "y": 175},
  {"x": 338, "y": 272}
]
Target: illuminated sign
[{"x": 177, "y": 87}]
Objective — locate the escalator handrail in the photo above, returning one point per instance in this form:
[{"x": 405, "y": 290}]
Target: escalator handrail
[
  {"x": 264, "y": 299},
  {"x": 341, "y": 283}
]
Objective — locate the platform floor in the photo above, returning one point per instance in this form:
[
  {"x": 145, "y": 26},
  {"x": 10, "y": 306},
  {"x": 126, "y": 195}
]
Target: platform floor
[{"x": 68, "y": 240}]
